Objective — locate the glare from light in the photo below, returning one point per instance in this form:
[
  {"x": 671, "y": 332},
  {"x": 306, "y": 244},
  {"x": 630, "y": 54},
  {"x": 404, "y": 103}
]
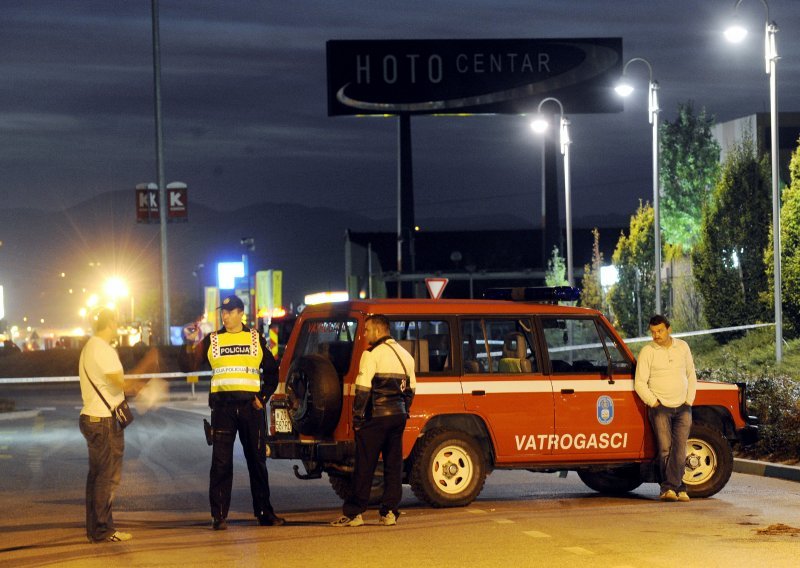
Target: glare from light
[
  {"x": 115, "y": 287},
  {"x": 624, "y": 88},
  {"x": 82, "y": 312},
  {"x": 609, "y": 275},
  {"x": 326, "y": 297},
  {"x": 539, "y": 125},
  {"x": 735, "y": 33},
  {"x": 92, "y": 300}
]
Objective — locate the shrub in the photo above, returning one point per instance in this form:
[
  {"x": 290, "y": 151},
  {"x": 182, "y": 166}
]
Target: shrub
[{"x": 774, "y": 398}]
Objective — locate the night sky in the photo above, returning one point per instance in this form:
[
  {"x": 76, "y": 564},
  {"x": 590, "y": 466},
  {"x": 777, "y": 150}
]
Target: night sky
[{"x": 245, "y": 110}]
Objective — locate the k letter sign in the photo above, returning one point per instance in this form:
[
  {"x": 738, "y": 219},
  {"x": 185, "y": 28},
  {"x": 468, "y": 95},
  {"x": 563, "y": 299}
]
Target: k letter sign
[{"x": 147, "y": 202}]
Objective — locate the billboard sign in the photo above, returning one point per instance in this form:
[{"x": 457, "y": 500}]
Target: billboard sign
[{"x": 483, "y": 76}]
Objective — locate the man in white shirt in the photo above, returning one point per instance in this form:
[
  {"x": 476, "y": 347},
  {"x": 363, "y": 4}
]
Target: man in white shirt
[
  {"x": 667, "y": 383},
  {"x": 385, "y": 389},
  {"x": 101, "y": 370}
]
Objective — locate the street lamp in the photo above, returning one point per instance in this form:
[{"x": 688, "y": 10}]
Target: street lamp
[
  {"x": 624, "y": 88},
  {"x": 737, "y": 33},
  {"x": 539, "y": 125}
]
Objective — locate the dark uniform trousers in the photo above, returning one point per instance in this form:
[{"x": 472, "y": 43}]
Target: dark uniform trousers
[
  {"x": 381, "y": 435},
  {"x": 228, "y": 418}
]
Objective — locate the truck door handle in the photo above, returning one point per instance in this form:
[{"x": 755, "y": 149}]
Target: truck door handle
[
  {"x": 567, "y": 391},
  {"x": 479, "y": 393}
]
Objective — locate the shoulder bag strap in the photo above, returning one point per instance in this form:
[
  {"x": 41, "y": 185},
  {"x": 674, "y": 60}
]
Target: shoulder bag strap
[
  {"x": 398, "y": 358},
  {"x": 95, "y": 387}
]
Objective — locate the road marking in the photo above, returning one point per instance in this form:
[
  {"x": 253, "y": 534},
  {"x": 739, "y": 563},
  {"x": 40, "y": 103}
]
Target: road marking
[
  {"x": 201, "y": 412},
  {"x": 536, "y": 534},
  {"x": 578, "y": 550},
  {"x": 476, "y": 511},
  {"x": 502, "y": 521}
]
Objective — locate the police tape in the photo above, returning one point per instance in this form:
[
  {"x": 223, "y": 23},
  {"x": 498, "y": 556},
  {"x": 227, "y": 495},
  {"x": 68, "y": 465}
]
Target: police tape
[{"x": 73, "y": 379}]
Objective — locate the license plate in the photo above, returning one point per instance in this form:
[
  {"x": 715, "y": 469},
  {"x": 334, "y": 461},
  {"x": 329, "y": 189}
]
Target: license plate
[{"x": 282, "y": 422}]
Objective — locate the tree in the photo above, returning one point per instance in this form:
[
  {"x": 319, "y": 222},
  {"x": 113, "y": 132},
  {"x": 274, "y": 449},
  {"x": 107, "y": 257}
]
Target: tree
[
  {"x": 728, "y": 259},
  {"x": 591, "y": 288},
  {"x": 689, "y": 170},
  {"x": 790, "y": 252},
  {"x": 632, "y": 298},
  {"x": 556, "y": 272}
]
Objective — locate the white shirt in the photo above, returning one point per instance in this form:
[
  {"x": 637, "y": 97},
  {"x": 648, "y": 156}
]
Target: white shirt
[
  {"x": 666, "y": 374},
  {"x": 99, "y": 359}
]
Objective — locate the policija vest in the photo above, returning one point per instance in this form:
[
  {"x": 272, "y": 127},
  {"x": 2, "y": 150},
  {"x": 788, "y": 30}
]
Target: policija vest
[{"x": 235, "y": 359}]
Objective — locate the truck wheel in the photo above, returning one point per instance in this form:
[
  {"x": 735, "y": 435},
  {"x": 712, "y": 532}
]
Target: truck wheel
[
  {"x": 315, "y": 395},
  {"x": 448, "y": 469},
  {"x": 614, "y": 481},
  {"x": 709, "y": 461},
  {"x": 342, "y": 486}
]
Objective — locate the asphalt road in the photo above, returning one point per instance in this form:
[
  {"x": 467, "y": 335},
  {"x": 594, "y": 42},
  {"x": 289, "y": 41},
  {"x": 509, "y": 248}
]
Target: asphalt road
[{"x": 521, "y": 519}]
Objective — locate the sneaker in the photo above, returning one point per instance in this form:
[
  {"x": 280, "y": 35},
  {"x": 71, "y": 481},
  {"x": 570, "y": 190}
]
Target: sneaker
[
  {"x": 683, "y": 496},
  {"x": 345, "y": 521},
  {"x": 119, "y": 536},
  {"x": 270, "y": 519},
  {"x": 668, "y": 495},
  {"x": 387, "y": 520},
  {"x": 219, "y": 524}
]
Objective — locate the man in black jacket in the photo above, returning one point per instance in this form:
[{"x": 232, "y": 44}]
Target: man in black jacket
[
  {"x": 384, "y": 391},
  {"x": 244, "y": 376}
]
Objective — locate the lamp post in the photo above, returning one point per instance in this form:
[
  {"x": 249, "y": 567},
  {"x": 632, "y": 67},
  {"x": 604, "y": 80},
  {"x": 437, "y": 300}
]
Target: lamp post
[
  {"x": 736, "y": 33},
  {"x": 624, "y": 88},
  {"x": 539, "y": 125}
]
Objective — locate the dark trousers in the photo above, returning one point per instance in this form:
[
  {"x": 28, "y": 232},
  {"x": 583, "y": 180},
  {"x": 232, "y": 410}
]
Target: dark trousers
[
  {"x": 384, "y": 435},
  {"x": 671, "y": 427},
  {"x": 106, "y": 443},
  {"x": 228, "y": 418}
]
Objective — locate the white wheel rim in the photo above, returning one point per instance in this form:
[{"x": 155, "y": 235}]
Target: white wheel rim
[
  {"x": 701, "y": 462},
  {"x": 452, "y": 469}
]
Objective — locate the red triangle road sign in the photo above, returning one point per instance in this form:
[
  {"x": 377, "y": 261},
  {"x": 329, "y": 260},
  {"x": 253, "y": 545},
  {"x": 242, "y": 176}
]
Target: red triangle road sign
[{"x": 436, "y": 287}]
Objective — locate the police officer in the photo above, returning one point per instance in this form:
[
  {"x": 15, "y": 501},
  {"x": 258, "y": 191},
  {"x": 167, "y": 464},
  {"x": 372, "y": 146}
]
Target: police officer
[
  {"x": 384, "y": 391},
  {"x": 244, "y": 376}
]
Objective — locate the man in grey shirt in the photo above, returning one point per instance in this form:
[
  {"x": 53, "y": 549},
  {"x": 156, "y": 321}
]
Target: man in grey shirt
[{"x": 667, "y": 383}]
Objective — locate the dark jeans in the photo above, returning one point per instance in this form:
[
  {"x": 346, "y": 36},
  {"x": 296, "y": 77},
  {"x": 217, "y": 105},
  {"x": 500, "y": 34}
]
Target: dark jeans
[
  {"x": 379, "y": 435},
  {"x": 228, "y": 418},
  {"x": 671, "y": 428},
  {"x": 106, "y": 443}
]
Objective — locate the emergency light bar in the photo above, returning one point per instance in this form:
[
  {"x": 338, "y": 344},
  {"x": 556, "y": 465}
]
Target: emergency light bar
[{"x": 540, "y": 294}]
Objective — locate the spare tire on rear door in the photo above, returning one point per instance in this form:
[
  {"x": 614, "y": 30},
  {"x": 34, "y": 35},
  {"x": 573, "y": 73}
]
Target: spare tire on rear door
[{"x": 315, "y": 395}]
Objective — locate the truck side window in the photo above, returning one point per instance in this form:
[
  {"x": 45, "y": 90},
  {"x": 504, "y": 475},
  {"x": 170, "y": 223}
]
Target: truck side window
[
  {"x": 574, "y": 345},
  {"x": 427, "y": 340},
  {"x": 497, "y": 346}
]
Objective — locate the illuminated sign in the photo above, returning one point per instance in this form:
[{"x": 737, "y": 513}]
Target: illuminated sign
[
  {"x": 227, "y": 273},
  {"x": 486, "y": 76}
]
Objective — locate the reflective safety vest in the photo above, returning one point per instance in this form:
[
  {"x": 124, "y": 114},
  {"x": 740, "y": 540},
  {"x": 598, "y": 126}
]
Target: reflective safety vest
[{"x": 235, "y": 359}]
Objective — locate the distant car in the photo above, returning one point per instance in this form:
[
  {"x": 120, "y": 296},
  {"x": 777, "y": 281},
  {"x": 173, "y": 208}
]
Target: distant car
[{"x": 500, "y": 385}]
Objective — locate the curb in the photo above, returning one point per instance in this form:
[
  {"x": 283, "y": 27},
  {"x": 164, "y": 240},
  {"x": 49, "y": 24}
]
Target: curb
[{"x": 767, "y": 469}]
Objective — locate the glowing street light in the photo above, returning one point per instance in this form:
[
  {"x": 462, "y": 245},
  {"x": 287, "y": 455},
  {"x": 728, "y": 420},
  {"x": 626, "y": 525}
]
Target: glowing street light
[
  {"x": 737, "y": 33},
  {"x": 115, "y": 287},
  {"x": 625, "y": 88},
  {"x": 540, "y": 125}
]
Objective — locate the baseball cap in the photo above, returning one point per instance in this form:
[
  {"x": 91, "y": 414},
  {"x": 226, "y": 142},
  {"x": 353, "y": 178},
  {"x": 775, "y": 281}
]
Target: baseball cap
[{"x": 232, "y": 303}]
